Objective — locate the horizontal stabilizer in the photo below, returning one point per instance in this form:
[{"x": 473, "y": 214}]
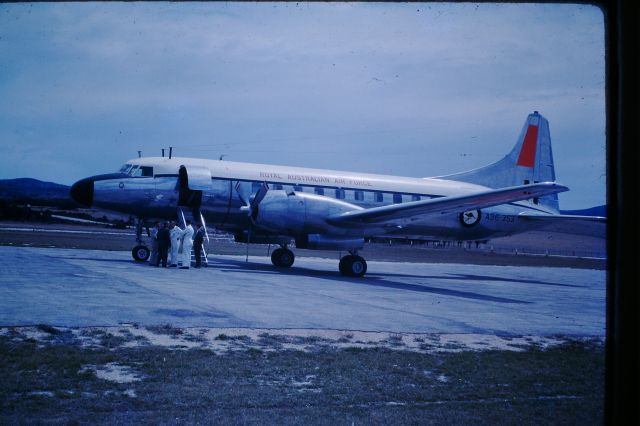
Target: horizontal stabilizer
[
  {"x": 595, "y": 226},
  {"x": 443, "y": 205}
]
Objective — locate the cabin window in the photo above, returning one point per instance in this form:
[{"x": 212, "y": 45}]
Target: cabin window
[
  {"x": 359, "y": 195},
  {"x": 340, "y": 194},
  {"x": 379, "y": 197},
  {"x": 415, "y": 198},
  {"x": 297, "y": 188},
  {"x": 319, "y": 191},
  {"x": 277, "y": 186},
  {"x": 397, "y": 198}
]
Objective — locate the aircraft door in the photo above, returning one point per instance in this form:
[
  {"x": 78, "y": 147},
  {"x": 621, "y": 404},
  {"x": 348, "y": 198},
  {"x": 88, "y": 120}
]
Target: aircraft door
[{"x": 191, "y": 182}]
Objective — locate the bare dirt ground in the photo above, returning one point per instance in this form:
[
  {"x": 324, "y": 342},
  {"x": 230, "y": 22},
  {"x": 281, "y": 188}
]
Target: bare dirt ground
[
  {"x": 529, "y": 249},
  {"x": 167, "y": 375}
]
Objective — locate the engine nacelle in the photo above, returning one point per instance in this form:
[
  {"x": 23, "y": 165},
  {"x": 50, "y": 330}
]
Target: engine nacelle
[{"x": 297, "y": 213}]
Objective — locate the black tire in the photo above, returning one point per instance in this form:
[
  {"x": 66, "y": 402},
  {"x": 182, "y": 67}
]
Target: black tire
[
  {"x": 353, "y": 266},
  {"x": 140, "y": 253},
  {"x": 342, "y": 266},
  {"x": 275, "y": 257},
  {"x": 282, "y": 258},
  {"x": 287, "y": 258}
]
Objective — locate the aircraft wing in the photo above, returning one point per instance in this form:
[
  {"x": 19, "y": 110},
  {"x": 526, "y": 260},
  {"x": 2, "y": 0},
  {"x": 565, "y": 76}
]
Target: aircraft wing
[
  {"x": 595, "y": 226},
  {"x": 443, "y": 205}
]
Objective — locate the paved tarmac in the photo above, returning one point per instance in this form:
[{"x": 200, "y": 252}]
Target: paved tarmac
[{"x": 76, "y": 288}]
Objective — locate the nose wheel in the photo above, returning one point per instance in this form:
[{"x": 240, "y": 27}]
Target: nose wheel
[
  {"x": 353, "y": 266},
  {"x": 140, "y": 253},
  {"x": 282, "y": 257}
]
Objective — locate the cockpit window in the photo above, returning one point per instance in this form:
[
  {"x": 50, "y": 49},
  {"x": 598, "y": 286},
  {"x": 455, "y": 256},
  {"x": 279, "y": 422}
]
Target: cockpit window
[
  {"x": 141, "y": 171},
  {"x": 135, "y": 170}
]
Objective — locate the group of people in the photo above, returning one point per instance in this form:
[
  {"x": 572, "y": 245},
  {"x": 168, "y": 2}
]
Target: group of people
[{"x": 166, "y": 240}]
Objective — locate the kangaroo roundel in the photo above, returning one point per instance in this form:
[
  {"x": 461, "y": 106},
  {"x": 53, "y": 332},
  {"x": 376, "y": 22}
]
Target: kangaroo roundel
[{"x": 470, "y": 218}]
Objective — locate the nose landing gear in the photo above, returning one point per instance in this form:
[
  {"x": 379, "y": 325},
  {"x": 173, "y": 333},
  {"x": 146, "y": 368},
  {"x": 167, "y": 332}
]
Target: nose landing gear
[{"x": 140, "y": 252}]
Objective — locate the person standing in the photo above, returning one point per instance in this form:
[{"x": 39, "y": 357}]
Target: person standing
[
  {"x": 164, "y": 241},
  {"x": 187, "y": 243},
  {"x": 153, "y": 259},
  {"x": 198, "y": 239},
  {"x": 176, "y": 234}
]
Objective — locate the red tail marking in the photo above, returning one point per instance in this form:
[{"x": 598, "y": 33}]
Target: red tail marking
[{"x": 527, "y": 156}]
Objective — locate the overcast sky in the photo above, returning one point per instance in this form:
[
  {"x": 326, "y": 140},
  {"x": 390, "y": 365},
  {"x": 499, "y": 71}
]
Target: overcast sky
[{"x": 396, "y": 88}]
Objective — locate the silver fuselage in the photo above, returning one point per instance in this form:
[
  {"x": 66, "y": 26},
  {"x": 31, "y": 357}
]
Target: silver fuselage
[{"x": 217, "y": 184}]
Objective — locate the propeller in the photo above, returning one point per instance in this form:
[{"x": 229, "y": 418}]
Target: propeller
[
  {"x": 251, "y": 203},
  {"x": 251, "y": 207}
]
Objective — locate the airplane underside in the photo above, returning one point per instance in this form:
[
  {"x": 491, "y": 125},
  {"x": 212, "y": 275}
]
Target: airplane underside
[{"x": 245, "y": 230}]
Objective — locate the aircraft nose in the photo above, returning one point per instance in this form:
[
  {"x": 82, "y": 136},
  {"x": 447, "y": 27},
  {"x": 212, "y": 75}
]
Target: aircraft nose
[{"x": 82, "y": 192}]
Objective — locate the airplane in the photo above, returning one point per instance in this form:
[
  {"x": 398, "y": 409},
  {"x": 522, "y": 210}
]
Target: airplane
[{"x": 339, "y": 210}]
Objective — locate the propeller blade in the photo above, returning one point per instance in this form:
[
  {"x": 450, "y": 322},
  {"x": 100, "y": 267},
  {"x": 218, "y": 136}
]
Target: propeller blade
[
  {"x": 241, "y": 194},
  {"x": 259, "y": 195},
  {"x": 251, "y": 205}
]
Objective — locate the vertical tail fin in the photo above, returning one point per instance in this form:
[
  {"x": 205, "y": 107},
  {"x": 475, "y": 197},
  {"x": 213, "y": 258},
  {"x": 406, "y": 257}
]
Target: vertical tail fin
[{"x": 530, "y": 161}]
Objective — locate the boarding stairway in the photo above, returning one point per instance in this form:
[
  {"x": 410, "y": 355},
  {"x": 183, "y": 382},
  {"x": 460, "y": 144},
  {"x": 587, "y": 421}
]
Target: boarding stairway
[{"x": 196, "y": 217}]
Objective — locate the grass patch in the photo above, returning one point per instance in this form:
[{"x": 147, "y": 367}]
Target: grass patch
[
  {"x": 48, "y": 329},
  {"x": 45, "y": 384},
  {"x": 224, "y": 337},
  {"x": 395, "y": 340},
  {"x": 166, "y": 329}
]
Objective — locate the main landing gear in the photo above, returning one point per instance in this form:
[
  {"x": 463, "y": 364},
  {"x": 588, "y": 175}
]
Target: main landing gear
[
  {"x": 353, "y": 265},
  {"x": 350, "y": 265},
  {"x": 282, "y": 257},
  {"x": 140, "y": 252}
]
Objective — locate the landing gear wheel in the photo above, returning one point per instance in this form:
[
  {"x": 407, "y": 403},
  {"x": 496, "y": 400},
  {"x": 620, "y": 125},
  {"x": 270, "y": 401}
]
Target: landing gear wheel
[
  {"x": 282, "y": 258},
  {"x": 345, "y": 264},
  {"x": 353, "y": 266},
  {"x": 140, "y": 253}
]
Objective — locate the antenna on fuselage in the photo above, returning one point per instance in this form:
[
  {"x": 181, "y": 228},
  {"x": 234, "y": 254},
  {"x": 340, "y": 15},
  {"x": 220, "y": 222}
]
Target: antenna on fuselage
[
  {"x": 162, "y": 152},
  {"x": 139, "y": 154},
  {"x": 170, "y": 152}
]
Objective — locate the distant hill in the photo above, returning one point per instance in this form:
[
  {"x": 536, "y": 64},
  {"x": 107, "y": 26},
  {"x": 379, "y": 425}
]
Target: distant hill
[
  {"x": 593, "y": 211},
  {"x": 33, "y": 191}
]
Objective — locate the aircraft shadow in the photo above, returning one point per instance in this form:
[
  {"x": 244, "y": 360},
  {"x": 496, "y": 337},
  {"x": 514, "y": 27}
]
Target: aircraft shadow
[
  {"x": 259, "y": 268},
  {"x": 375, "y": 280},
  {"x": 470, "y": 277}
]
